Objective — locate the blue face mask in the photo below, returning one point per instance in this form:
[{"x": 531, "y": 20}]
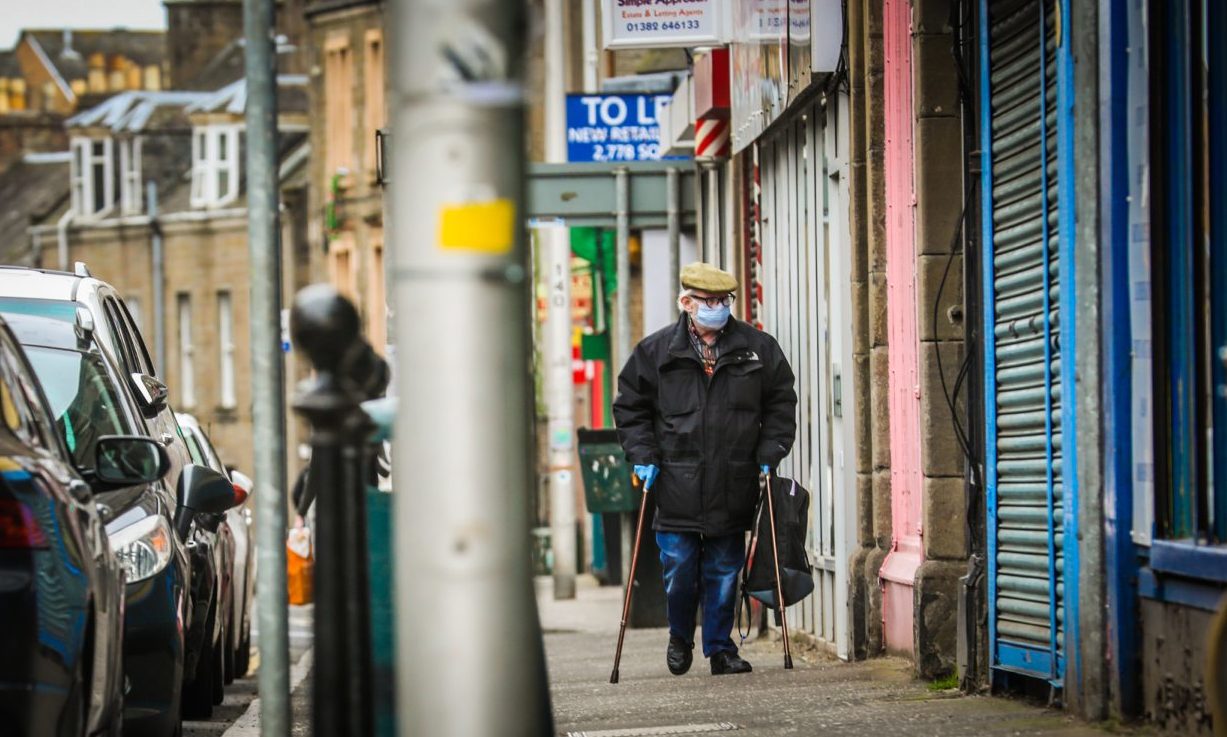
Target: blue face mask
[{"x": 712, "y": 318}]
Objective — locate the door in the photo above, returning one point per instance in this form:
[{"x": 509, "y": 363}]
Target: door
[
  {"x": 1026, "y": 137},
  {"x": 801, "y": 226}
]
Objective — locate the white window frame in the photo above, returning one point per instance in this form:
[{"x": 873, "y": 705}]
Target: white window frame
[
  {"x": 199, "y": 165},
  {"x": 82, "y": 176},
  {"x": 187, "y": 374},
  {"x": 131, "y": 201},
  {"x": 208, "y": 166},
  {"x": 225, "y": 337}
]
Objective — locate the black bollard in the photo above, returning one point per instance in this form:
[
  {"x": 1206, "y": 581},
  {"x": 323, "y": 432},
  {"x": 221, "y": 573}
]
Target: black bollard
[{"x": 326, "y": 327}]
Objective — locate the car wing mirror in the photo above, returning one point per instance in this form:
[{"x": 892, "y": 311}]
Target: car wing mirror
[
  {"x": 201, "y": 491},
  {"x": 152, "y": 394},
  {"x": 128, "y": 460}
]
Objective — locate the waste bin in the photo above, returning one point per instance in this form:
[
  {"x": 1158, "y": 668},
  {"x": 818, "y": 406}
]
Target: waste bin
[{"x": 608, "y": 491}]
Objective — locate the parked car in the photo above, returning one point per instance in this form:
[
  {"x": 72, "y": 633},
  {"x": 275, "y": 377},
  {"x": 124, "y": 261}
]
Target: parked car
[
  {"x": 245, "y": 565},
  {"x": 238, "y": 595},
  {"x": 171, "y": 592},
  {"x": 61, "y": 586}
]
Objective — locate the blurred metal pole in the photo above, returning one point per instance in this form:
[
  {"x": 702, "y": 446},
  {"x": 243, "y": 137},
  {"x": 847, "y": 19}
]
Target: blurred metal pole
[
  {"x": 674, "y": 225},
  {"x": 622, "y": 303},
  {"x": 159, "y": 278},
  {"x": 267, "y": 379},
  {"x": 559, "y": 392},
  {"x": 470, "y": 659},
  {"x": 560, "y": 403}
]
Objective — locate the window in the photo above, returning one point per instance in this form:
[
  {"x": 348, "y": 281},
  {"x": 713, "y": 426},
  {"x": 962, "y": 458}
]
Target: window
[
  {"x": 21, "y": 401},
  {"x": 339, "y": 114},
  {"x": 215, "y": 165},
  {"x": 92, "y": 176},
  {"x": 1187, "y": 171},
  {"x": 130, "y": 184},
  {"x": 341, "y": 265},
  {"x": 187, "y": 375},
  {"x": 225, "y": 337},
  {"x": 376, "y": 109},
  {"x": 377, "y": 307},
  {"x": 82, "y": 397}
]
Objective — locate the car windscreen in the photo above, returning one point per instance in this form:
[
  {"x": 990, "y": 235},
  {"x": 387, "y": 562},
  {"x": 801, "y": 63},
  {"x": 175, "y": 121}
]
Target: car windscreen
[
  {"x": 46, "y": 322},
  {"x": 84, "y": 401}
]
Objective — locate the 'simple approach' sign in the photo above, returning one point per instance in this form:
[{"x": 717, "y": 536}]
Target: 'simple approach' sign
[{"x": 638, "y": 24}]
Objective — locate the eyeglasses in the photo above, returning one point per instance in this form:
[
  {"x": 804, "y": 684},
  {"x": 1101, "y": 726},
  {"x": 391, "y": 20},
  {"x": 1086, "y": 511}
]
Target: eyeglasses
[{"x": 713, "y": 302}]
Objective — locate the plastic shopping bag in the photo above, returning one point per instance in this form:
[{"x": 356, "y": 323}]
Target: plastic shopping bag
[{"x": 300, "y": 565}]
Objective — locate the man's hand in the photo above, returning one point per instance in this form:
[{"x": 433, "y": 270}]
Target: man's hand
[{"x": 647, "y": 474}]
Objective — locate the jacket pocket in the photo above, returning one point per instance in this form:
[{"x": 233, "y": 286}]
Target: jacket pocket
[
  {"x": 744, "y": 385},
  {"x": 679, "y": 390},
  {"x": 742, "y": 490},
  {"x": 680, "y": 489}
]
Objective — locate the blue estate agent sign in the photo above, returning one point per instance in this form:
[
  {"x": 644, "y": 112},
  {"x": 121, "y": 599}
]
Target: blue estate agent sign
[{"x": 614, "y": 127}]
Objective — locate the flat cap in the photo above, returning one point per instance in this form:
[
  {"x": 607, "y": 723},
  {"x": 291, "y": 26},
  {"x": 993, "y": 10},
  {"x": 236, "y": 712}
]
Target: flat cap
[{"x": 708, "y": 278}]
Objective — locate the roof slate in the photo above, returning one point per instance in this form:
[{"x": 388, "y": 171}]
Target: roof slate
[{"x": 29, "y": 191}]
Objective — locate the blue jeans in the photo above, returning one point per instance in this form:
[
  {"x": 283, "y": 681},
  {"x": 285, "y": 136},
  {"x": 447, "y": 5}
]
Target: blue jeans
[{"x": 696, "y": 566}]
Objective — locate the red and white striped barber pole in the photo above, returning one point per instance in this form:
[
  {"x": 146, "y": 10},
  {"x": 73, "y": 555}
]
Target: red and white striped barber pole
[{"x": 711, "y": 138}]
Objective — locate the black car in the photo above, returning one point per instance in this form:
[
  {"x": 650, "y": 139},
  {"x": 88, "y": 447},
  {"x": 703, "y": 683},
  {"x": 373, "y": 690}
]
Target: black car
[
  {"x": 61, "y": 586},
  {"x": 151, "y": 526}
]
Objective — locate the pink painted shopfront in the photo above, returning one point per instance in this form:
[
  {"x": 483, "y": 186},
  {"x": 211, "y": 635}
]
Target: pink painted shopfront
[{"x": 898, "y": 572}]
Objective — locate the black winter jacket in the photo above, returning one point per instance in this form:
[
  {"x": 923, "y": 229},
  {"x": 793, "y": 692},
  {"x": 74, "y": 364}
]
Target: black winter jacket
[{"x": 707, "y": 436}]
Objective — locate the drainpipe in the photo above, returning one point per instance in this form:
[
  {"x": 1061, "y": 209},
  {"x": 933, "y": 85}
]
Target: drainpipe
[
  {"x": 592, "y": 53},
  {"x": 61, "y": 227},
  {"x": 159, "y": 278}
]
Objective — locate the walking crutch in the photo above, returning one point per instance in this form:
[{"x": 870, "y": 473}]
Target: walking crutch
[
  {"x": 630, "y": 580},
  {"x": 779, "y": 583}
]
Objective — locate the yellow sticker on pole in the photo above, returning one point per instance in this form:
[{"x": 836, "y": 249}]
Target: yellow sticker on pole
[{"x": 482, "y": 227}]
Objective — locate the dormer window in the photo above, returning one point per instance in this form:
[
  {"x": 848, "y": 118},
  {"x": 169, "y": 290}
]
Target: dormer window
[
  {"x": 93, "y": 176},
  {"x": 215, "y": 165},
  {"x": 130, "y": 184}
]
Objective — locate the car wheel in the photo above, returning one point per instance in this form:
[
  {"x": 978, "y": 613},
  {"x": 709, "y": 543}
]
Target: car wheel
[
  {"x": 228, "y": 657},
  {"x": 76, "y": 710},
  {"x": 219, "y": 669},
  {"x": 198, "y": 693},
  {"x": 116, "y": 727},
  {"x": 242, "y": 656}
]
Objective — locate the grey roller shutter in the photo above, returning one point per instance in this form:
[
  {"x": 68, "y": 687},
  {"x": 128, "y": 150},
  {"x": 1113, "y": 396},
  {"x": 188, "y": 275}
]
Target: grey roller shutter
[{"x": 1025, "y": 492}]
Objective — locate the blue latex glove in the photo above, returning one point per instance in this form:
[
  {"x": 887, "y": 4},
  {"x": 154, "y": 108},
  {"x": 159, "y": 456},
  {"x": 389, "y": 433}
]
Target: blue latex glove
[
  {"x": 647, "y": 474},
  {"x": 765, "y": 469}
]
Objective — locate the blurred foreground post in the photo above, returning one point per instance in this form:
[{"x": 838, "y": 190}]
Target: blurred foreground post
[
  {"x": 470, "y": 660},
  {"x": 326, "y": 327},
  {"x": 267, "y": 379}
]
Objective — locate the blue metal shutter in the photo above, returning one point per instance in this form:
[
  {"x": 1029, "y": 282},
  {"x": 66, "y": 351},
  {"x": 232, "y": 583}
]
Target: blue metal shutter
[{"x": 1022, "y": 346}]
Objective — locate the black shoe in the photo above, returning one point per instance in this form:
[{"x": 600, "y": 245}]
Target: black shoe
[
  {"x": 728, "y": 662},
  {"x": 679, "y": 655}
]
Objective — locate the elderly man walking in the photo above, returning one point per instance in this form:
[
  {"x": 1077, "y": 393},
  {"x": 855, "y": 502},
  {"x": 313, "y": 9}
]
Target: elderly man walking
[{"x": 704, "y": 406}]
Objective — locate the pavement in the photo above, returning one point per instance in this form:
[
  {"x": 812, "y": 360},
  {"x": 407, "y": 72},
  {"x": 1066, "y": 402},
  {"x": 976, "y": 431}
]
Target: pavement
[
  {"x": 239, "y": 713},
  {"x": 820, "y": 696}
]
